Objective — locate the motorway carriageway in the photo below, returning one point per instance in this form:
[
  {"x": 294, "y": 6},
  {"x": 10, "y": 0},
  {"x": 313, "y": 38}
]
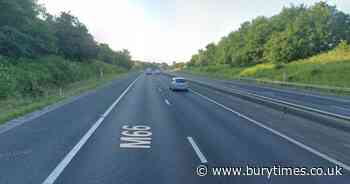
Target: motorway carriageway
[
  {"x": 90, "y": 139},
  {"x": 332, "y": 104}
]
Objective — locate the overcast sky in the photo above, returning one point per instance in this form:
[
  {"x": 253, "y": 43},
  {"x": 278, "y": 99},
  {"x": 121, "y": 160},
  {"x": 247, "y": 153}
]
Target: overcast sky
[{"x": 168, "y": 30}]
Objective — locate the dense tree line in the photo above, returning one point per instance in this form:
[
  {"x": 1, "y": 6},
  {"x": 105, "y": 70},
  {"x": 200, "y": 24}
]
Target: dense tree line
[
  {"x": 296, "y": 32},
  {"x": 27, "y": 30},
  {"x": 41, "y": 53}
]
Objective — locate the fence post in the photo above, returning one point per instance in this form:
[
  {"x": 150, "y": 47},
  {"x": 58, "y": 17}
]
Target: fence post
[
  {"x": 285, "y": 78},
  {"x": 101, "y": 73},
  {"x": 61, "y": 92}
]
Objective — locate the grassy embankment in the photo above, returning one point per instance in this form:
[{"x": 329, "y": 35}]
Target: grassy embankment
[
  {"x": 326, "y": 69},
  {"x": 27, "y": 85}
]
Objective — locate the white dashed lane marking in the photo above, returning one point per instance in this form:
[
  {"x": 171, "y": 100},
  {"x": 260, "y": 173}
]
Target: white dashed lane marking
[
  {"x": 197, "y": 150},
  {"x": 167, "y": 102}
]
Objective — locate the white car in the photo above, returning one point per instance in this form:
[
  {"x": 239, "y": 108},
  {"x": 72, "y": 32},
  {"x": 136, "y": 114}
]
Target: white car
[
  {"x": 157, "y": 72},
  {"x": 178, "y": 84},
  {"x": 148, "y": 71}
]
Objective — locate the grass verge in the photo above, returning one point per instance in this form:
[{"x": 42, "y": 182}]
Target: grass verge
[
  {"x": 15, "y": 107},
  {"x": 329, "y": 71}
]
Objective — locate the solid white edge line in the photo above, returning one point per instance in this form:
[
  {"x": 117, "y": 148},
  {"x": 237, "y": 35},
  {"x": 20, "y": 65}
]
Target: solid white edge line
[
  {"x": 300, "y": 93},
  {"x": 294, "y": 104},
  {"x": 167, "y": 102},
  {"x": 197, "y": 150},
  {"x": 303, "y": 107},
  {"x": 301, "y": 145},
  {"x": 66, "y": 160}
]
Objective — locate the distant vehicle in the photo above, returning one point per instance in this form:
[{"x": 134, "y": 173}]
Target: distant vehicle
[
  {"x": 148, "y": 71},
  {"x": 178, "y": 84},
  {"x": 157, "y": 71}
]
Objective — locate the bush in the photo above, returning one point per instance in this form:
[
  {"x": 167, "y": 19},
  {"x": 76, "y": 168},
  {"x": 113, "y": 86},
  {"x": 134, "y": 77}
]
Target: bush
[
  {"x": 279, "y": 66},
  {"x": 343, "y": 46},
  {"x": 251, "y": 71},
  {"x": 14, "y": 43},
  {"x": 28, "y": 77},
  {"x": 6, "y": 80},
  {"x": 214, "y": 68},
  {"x": 315, "y": 71}
]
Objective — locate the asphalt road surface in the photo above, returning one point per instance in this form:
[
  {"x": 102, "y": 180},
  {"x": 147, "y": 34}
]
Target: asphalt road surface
[
  {"x": 138, "y": 131},
  {"x": 333, "y": 104}
]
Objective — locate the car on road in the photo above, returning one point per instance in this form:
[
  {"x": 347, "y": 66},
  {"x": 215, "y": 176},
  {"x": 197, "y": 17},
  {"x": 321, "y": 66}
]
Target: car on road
[
  {"x": 156, "y": 72},
  {"x": 148, "y": 71},
  {"x": 178, "y": 84}
]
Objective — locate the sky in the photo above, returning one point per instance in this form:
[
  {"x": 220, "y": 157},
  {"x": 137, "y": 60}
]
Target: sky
[{"x": 168, "y": 30}]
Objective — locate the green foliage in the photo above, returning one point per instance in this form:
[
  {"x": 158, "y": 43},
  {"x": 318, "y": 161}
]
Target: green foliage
[
  {"x": 343, "y": 46},
  {"x": 27, "y": 30},
  {"x": 33, "y": 44},
  {"x": 41, "y": 53},
  {"x": 22, "y": 33},
  {"x": 14, "y": 43},
  {"x": 73, "y": 39},
  {"x": 32, "y": 77},
  {"x": 18, "y": 13},
  {"x": 279, "y": 66},
  {"x": 119, "y": 58},
  {"x": 297, "y": 32},
  {"x": 18, "y": 106},
  {"x": 329, "y": 68},
  {"x": 123, "y": 59}
]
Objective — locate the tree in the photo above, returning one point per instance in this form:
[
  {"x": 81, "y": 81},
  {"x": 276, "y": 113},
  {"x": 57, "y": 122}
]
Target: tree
[
  {"x": 14, "y": 43},
  {"x": 295, "y": 33},
  {"x": 73, "y": 39},
  {"x": 106, "y": 54},
  {"x": 18, "y": 14},
  {"x": 27, "y": 30},
  {"x": 22, "y": 33},
  {"x": 210, "y": 53},
  {"x": 123, "y": 59}
]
